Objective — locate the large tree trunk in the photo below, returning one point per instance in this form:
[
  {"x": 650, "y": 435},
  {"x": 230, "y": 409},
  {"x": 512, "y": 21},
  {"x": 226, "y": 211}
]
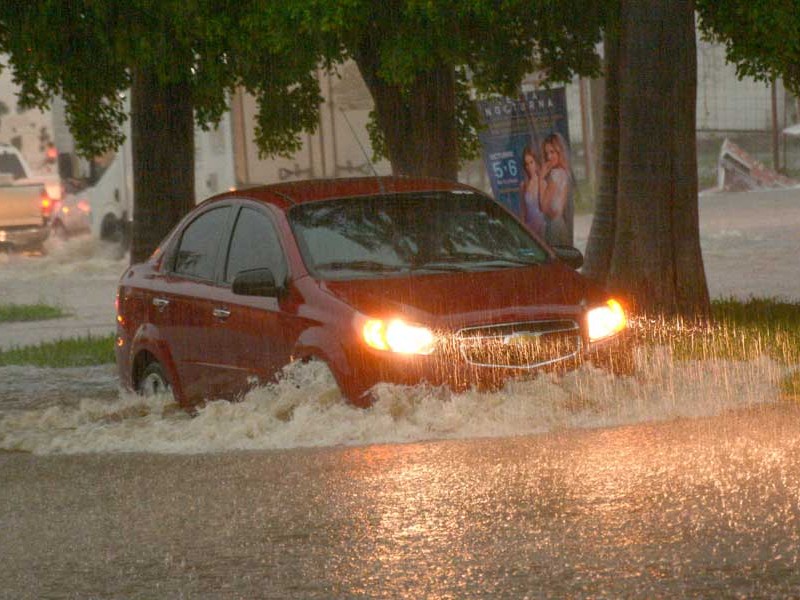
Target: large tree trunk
[
  {"x": 162, "y": 140},
  {"x": 600, "y": 246},
  {"x": 656, "y": 257},
  {"x": 419, "y": 123}
]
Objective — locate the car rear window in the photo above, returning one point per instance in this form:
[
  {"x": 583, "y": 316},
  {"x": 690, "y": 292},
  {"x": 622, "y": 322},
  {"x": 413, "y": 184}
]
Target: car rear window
[
  {"x": 11, "y": 165},
  {"x": 396, "y": 234}
]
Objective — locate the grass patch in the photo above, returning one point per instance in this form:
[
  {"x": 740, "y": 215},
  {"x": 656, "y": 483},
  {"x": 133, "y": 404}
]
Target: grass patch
[
  {"x": 765, "y": 324},
  {"x": 740, "y": 330},
  {"x": 29, "y": 312},
  {"x": 73, "y": 352}
]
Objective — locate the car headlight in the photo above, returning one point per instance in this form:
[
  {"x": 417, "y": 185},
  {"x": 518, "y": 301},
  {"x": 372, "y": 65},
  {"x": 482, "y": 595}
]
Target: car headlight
[
  {"x": 397, "y": 336},
  {"x": 606, "y": 320}
]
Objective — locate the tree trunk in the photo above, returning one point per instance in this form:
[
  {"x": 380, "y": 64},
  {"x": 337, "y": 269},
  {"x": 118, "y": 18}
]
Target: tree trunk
[
  {"x": 600, "y": 246},
  {"x": 656, "y": 257},
  {"x": 162, "y": 141},
  {"x": 418, "y": 123}
]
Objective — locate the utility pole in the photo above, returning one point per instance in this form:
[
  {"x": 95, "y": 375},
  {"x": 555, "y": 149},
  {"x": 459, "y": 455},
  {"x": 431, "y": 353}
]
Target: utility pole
[
  {"x": 776, "y": 158},
  {"x": 586, "y": 131}
]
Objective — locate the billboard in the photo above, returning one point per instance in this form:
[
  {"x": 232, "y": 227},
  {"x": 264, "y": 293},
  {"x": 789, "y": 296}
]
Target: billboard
[{"x": 525, "y": 146}]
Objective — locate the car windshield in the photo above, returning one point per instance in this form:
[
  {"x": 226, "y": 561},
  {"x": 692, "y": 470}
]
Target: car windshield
[{"x": 397, "y": 234}]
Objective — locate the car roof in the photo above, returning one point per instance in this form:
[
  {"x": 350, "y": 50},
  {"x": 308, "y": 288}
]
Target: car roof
[{"x": 288, "y": 194}]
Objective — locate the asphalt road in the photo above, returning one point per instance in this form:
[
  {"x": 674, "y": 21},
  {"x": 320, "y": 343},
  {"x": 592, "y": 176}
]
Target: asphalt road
[{"x": 688, "y": 508}]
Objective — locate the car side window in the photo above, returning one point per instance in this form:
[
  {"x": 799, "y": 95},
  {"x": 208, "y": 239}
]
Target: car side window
[
  {"x": 254, "y": 245},
  {"x": 197, "y": 252}
]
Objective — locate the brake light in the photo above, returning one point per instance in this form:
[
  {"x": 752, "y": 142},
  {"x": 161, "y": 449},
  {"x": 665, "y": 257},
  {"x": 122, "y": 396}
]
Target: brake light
[
  {"x": 117, "y": 304},
  {"x": 47, "y": 206},
  {"x": 53, "y": 190}
]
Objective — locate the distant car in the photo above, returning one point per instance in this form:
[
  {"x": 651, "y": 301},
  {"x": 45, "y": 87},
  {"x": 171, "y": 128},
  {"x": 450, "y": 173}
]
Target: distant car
[
  {"x": 25, "y": 203},
  {"x": 72, "y": 215},
  {"x": 399, "y": 280}
]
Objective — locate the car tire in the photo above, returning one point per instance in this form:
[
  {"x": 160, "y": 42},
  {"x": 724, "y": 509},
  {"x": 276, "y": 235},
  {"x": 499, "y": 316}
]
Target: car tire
[{"x": 153, "y": 381}]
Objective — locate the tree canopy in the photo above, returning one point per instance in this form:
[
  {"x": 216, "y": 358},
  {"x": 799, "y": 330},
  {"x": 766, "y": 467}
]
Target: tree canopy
[
  {"x": 416, "y": 57},
  {"x": 761, "y": 37},
  {"x": 85, "y": 52},
  {"x": 178, "y": 61}
]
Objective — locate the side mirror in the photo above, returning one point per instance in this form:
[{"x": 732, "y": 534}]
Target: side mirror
[
  {"x": 255, "y": 282},
  {"x": 571, "y": 256}
]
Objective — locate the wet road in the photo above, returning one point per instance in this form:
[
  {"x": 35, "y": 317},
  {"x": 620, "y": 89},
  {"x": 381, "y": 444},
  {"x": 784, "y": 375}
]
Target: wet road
[{"x": 705, "y": 507}]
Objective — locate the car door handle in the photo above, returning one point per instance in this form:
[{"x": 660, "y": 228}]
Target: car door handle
[
  {"x": 160, "y": 303},
  {"x": 221, "y": 313}
]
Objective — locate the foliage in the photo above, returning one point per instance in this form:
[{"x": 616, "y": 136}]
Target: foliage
[
  {"x": 761, "y": 37},
  {"x": 29, "y": 312},
  {"x": 500, "y": 42},
  {"x": 72, "y": 352},
  {"x": 85, "y": 51},
  {"x": 492, "y": 46}
]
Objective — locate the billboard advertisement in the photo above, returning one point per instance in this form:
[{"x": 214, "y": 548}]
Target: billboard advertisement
[{"x": 525, "y": 146}]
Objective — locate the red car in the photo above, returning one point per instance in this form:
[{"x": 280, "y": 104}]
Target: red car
[{"x": 401, "y": 280}]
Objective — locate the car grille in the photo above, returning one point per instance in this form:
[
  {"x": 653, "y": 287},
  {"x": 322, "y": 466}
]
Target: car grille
[{"x": 520, "y": 345}]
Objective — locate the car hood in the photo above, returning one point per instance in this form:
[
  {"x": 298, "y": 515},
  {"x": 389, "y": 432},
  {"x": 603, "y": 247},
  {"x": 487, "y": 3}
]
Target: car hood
[{"x": 550, "y": 288}]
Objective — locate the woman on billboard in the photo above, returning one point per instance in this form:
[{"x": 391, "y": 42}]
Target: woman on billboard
[
  {"x": 554, "y": 190},
  {"x": 530, "y": 211}
]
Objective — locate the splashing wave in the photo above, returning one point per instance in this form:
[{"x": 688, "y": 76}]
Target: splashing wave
[{"x": 305, "y": 409}]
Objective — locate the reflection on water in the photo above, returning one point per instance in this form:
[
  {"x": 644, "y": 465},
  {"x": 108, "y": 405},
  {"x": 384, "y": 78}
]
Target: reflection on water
[{"x": 689, "y": 508}]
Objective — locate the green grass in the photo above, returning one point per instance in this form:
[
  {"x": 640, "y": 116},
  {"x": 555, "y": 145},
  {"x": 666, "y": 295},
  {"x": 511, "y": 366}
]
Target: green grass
[
  {"x": 739, "y": 331},
  {"x": 762, "y": 313},
  {"x": 73, "y": 352},
  {"x": 762, "y": 324},
  {"x": 29, "y": 312}
]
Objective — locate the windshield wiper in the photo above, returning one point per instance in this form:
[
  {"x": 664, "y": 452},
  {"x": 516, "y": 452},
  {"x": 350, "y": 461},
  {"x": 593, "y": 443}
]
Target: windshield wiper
[
  {"x": 360, "y": 265},
  {"x": 468, "y": 258}
]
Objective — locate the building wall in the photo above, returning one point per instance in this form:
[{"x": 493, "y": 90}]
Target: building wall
[
  {"x": 726, "y": 103},
  {"x": 30, "y": 130},
  {"x": 339, "y": 148}
]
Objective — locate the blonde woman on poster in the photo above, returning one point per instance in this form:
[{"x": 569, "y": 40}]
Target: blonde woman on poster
[
  {"x": 530, "y": 211},
  {"x": 554, "y": 184}
]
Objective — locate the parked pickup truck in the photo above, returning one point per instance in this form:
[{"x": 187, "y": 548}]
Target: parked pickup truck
[{"x": 25, "y": 205}]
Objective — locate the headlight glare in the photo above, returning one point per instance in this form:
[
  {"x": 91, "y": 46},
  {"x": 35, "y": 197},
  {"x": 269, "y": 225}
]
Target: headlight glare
[
  {"x": 397, "y": 336},
  {"x": 606, "y": 320}
]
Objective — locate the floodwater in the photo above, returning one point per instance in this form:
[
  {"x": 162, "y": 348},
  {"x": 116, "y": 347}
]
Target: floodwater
[
  {"x": 683, "y": 481},
  {"x": 703, "y": 507}
]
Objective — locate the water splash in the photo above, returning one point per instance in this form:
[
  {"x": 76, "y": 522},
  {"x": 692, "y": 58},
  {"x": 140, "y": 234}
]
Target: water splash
[{"x": 304, "y": 409}]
